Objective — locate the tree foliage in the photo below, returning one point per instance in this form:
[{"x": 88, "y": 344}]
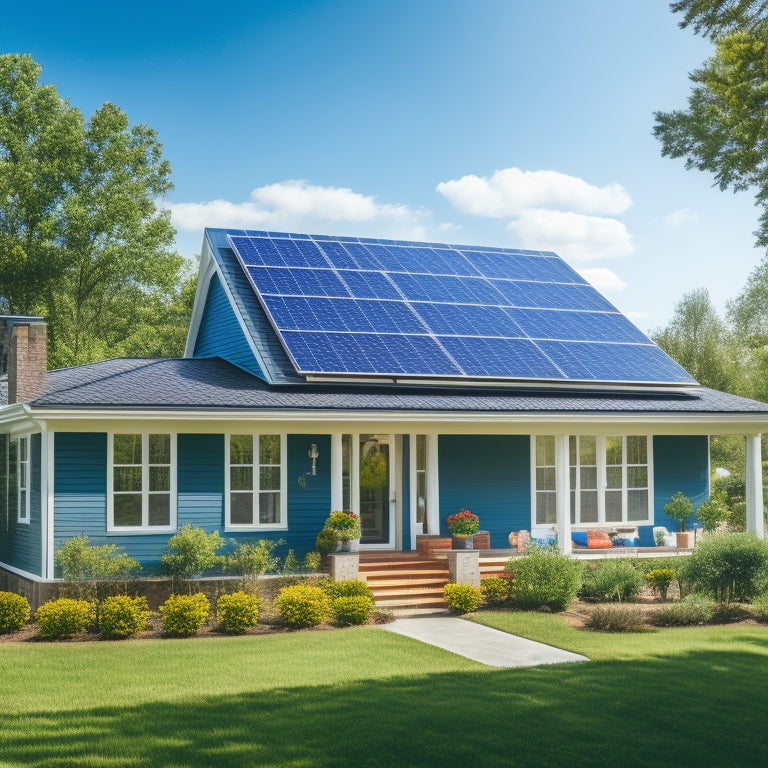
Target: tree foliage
[
  {"x": 82, "y": 239},
  {"x": 725, "y": 128}
]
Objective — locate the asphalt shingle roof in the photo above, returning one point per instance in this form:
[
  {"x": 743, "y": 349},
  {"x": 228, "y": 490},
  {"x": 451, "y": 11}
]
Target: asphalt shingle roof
[{"x": 212, "y": 383}]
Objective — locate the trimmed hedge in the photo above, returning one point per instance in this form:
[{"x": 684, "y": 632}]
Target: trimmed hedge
[
  {"x": 14, "y": 612},
  {"x": 352, "y": 609},
  {"x": 302, "y": 605},
  {"x": 185, "y": 615},
  {"x": 345, "y": 588},
  {"x": 462, "y": 598},
  {"x": 64, "y": 617},
  {"x": 237, "y": 611},
  {"x": 496, "y": 590},
  {"x": 122, "y": 616}
]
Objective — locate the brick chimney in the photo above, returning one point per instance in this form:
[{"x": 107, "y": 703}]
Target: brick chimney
[{"x": 23, "y": 356}]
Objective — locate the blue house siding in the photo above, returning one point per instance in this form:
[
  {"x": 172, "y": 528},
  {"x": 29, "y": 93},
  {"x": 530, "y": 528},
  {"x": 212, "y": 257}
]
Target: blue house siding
[
  {"x": 220, "y": 333},
  {"x": 24, "y": 540},
  {"x": 491, "y": 476}
]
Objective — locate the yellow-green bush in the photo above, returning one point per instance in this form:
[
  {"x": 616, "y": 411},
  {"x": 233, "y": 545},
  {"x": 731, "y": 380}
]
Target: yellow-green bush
[
  {"x": 237, "y": 611},
  {"x": 64, "y": 617},
  {"x": 122, "y": 616},
  {"x": 462, "y": 598},
  {"x": 302, "y": 605},
  {"x": 346, "y": 588},
  {"x": 185, "y": 615},
  {"x": 352, "y": 609},
  {"x": 496, "y": 590},
  {"x": 14, "y": 612}
]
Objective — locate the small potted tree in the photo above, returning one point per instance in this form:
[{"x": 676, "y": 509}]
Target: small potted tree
[
  {"x": 679, "y": 508},
  {"x": 463, "y": 526}
]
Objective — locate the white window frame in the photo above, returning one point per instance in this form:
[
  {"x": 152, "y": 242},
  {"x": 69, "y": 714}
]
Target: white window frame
[
  {"x": 23, "y": 473},
  {"x": 145, "y": 493},
  {"x": 602, "y": 483},
  {"x": 282, "y": 524}
]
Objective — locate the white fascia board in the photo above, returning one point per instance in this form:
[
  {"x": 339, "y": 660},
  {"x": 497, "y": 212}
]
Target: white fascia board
[
  {"x": 18, "y": 419},
  {"x": 464, "y": 423},
  {"x": 25, "y": 574},
  {"x": 206, "y": 270}
]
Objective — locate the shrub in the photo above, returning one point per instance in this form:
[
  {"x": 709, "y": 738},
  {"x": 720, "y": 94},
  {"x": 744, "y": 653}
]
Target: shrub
[
  {"x": 612, "y": 580},
  {"x": 729, "y": 566},
  {"x": 714, "y": 511},
  {"x": 252, "y": 558},
  {"x": 659, "y": 580},
  {"x": 544, "y": 577},
  {"x": 291, "y": 564},
  {"x": 14, "y": 612},
  {"x": 615, "y": 618},
  {"x": 346, "y": 588},
  {"x": 312, "y": 562},
  {"x": 302, "y": 605},
  {"x": 191, "y": 551},
  {"x": 184, "y": 615},
  {"x": 326, "y": 541},
  {"x": 80, "y": 560},
  {"x": 122, "y": 616},
  {"x": 496, "y": 590},
  {"x": 63, "y": 617},
  {"x": 352, "y": 609},
  {"x": 237, "y": 611},
  {"x": 462, "y": 598},
  {"x": 759, "y": 608},
  {"x": 692, "y": 609}
]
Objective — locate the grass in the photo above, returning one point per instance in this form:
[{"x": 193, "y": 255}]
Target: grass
[{"x": 363, "y": 697}]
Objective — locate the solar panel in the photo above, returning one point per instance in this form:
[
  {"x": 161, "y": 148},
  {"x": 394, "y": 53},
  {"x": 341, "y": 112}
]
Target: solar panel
[{"x": 346, "y": 306}]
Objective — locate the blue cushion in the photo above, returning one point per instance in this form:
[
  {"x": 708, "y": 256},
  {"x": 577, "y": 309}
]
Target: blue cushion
[{"x": 579, "y": 538}]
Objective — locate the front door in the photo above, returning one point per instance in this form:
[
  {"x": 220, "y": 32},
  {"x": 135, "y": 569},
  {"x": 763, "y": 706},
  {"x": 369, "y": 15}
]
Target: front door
[{"x": 375, "y": 481}]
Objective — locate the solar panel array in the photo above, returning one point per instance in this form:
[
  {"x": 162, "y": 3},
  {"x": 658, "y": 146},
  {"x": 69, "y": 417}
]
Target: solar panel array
[{"x": 360, "y": 307}]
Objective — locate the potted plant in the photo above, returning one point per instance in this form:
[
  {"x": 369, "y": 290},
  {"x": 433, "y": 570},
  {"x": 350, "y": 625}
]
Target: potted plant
[
  {"x": 345, "y": 526},
  {"x": 679, "y": 508},
  {"x": 463, "y": 526}
]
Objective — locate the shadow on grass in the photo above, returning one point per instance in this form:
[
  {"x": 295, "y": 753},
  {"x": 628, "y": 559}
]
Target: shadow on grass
[{"x": 690, "y": 710}]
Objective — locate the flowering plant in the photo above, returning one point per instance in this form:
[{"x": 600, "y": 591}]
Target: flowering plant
[
  {"x": 346, "y": 525},
  {"x": 463, "y": 523}
]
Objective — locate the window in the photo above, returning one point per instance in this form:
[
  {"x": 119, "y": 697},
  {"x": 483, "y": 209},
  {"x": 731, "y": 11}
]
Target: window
[
  {"x": 609, "y": 477},
  {"x": 255, "y": 481},
  {"x": 421, "y": 482},
  {"x": 142, "y": 480},
  {"x": 22, "y": 477}
]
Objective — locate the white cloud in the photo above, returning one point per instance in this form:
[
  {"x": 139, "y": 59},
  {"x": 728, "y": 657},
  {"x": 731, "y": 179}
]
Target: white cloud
[
  {"x": 511, "y": 191},
  {"x": 676, "y": 218},
  {"x": 296, "y": 205},
  {"x": 571, "y": 235},
  {"x": 603, "y": 279}
]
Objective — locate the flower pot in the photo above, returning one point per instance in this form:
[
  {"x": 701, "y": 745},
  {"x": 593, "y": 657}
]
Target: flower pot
[
  {"x": 461, "y": 541},
  {"x": 684, "y": 540}
]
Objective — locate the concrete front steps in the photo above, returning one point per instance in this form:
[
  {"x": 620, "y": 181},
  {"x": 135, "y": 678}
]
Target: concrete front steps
[{"x": 405, "y": 583}]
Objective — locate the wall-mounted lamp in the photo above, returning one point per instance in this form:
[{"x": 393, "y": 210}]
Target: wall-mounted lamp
[{"x": 313, "y": 454}]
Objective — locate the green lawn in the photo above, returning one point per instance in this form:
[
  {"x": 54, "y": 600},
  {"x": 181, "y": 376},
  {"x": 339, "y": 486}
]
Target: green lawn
[{"x": 363, "y": 697}]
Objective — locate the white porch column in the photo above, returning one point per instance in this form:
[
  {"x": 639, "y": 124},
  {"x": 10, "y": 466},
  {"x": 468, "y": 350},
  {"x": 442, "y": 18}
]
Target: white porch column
[
  {"x": 433, "y": 485},
  {"x": 563, "y": 493},
  {"x": 337, "y": 487},
  {"x": 755, "y": 522}
]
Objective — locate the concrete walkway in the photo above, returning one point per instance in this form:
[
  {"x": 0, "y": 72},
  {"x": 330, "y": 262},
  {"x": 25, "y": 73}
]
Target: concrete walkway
[{"x": 484, "y": 644}]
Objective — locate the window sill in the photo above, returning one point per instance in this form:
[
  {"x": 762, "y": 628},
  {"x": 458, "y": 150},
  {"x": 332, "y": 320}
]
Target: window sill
[
  {"x": 141, "y": 531},
  {"x": 249, "y": 528}
]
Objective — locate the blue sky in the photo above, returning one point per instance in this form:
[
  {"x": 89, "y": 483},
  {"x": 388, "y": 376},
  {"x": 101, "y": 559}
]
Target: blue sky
[{"x": 498, "y": 122}]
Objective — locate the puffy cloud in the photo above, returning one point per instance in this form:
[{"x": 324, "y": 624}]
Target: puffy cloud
[
  {"x": 511, "y": 191},
  {"x": 574, "y": 236},
  {"x": 603, "y": 279},
  {"x": 296, "y": 205},
  {"x": 676, "y": 218}
]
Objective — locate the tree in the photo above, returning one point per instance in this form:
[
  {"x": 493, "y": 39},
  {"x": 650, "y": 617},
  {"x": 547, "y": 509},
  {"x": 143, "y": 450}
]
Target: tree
[
  {"x": 82, "y": 239},
  {"x": 698, "y": 340},
  {"x": 725, "y": 128}
]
